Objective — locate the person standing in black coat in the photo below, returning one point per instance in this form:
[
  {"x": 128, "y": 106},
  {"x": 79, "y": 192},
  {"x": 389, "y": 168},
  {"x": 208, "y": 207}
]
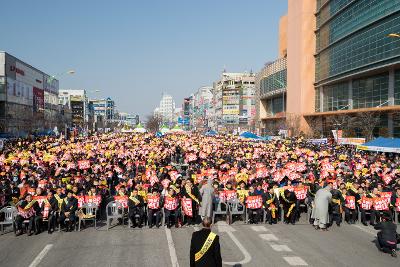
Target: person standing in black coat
[
  {"x": 387, "y": 236},
  {"x": 68, "y": 210},
  {"x": 204, "y": 247}
]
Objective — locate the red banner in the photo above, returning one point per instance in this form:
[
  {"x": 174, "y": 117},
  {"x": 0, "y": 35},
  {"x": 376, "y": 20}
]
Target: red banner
[
  {"x": 171, "y": 203},
  {"x": 380, "y": 204},
  {"x": 261, "y": 172},
  {"x": 84, "y": 164},
  {"x": 153, "y": 202},
  {"x": 366, "y": 203},
  {"x": 227, "y": 195},
  {"x": 93, "y": 199},
  {"x": 187, "y": 206},
  {"x": 81, "y": 201},
  {"x": 387, "y": 196},
  {"x": 123, "y": 200},
  {"x": 254, "y": 202},
  {"x": 301, "y": 193},
  {"x": 350, "y": 202}
]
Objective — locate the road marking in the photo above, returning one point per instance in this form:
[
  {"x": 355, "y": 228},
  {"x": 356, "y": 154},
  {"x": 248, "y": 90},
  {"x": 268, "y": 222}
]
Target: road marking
[
  {"x": 247, "y": 257},
  {"x": 224, "y": 227},
  {"x": 280, "y": 248},
  {"x": 295, "y": 261},
  {"x": 259, "y": 229},
  {"x": 365, "y": 229},
  {"x": 41, "y": 255},
  {"x": 269, "y": 237},
  {"x": 171, "y": 246}
]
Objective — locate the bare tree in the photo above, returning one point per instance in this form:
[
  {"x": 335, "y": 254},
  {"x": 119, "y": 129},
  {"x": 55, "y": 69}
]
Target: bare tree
[
  {"x": 316, "y": 128},
  {"x": 153, "y": 123},
  {"x": 293, "y": 124},
  {"x": 367, "y": 122},
  {"x": 343, "y": 122}
]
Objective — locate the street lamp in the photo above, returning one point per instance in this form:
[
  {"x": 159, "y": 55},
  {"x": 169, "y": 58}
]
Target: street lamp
[
  {"x": 394, "y": 35},
  {"x": 53, "y": 77}
]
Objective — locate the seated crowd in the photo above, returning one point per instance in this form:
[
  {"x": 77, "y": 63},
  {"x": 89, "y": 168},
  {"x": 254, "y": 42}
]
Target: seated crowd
[{"x": 50, "y": 180}]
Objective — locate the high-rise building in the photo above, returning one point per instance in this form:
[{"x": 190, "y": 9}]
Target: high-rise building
[
  {"x": 28, "y": 97},
  {"x": 166, "y": 109},
  {"x": 285, "y": 86},
  {"x": 357, "y": 63},
  {"x": 202, "y": 108},
  {"x": 234, "y": 98}
]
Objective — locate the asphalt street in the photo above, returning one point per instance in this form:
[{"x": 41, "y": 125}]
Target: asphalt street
[{"x": 241, "y": 245}]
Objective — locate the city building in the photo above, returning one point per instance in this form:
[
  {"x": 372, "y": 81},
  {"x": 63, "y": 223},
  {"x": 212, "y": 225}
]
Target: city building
[
  {"x": 285, "y": 86},
  {"x": 104, "y": 108},
  {"x": 234, "y": 98},
  {"x": 358, "y": 65},
  {"x": 77, "y": 101},
  {"x": 166, "y": 110},
  {"x": 28, "y": 97},
  {"x": 202, "y": 108}
]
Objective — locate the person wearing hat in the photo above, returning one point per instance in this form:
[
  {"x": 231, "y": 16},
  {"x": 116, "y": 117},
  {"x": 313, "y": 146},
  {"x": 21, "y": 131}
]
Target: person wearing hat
[
  {"x": 387, "y": 235},
  {"x": 336, "y": 208}
]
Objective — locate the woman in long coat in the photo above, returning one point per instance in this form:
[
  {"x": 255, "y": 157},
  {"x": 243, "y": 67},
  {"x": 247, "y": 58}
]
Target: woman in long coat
[
  {"x": 207, "y": 195},
  {"x": 320, "y": 212}
]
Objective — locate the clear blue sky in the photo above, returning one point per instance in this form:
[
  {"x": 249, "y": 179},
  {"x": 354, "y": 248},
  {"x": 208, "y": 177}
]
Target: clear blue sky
[{"x": 134, "y": 50}]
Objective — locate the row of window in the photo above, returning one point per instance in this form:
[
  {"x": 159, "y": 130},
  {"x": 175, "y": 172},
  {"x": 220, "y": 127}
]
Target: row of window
[
  {"x": 274, "y": 82},
  {"x": 364, "y": 48},
  {"x": 366, "y": 93},
  {"x": 358, "y": 15}
]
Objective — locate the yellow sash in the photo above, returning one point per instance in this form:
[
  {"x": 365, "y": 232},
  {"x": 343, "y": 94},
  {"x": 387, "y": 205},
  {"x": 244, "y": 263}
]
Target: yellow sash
[
  {"x": 338, "y": 202},
  {"x": 206, "y": 246},
  {"x": 59, "y": 200},
  {"x": 134, "y": 199},
  {"x": 30, "y": 204}
]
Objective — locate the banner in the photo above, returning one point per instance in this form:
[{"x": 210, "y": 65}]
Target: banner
[
  {"x": 366, "y": 203},
  {"x": 301, "y": 193},
  {"x": 84, "y": 164},
  {"x": 350, "y": 202},
  {"x": 81, "y": 201},
  {"x": 123, "y": 200},
  {"x": 380, "y": 204},
  {"x": 93, "y": 199},
  {"x": 187, "y": 206},
  {"x": 171, "y": 203},
  {"x": 254, "y": 202},
  {"x": 153, "y": 202},
  {"x": 387, "y": 196},
  {"x": 227, "y": 195}
]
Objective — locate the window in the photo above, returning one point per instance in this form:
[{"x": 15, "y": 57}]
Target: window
[
  {"x": 336, "y": 97},
  {"x": 371, "y": 92}
]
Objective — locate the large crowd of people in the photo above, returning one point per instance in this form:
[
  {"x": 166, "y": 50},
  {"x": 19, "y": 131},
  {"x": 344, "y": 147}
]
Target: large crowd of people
[{"x": 179, "y": 178}]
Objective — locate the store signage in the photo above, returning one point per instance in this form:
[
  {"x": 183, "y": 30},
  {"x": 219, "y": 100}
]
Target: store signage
[{"x": 17, "y": 70}]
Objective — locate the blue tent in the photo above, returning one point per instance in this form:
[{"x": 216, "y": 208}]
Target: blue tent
[
  {"x": 382, "y": 144},
  {"x": 211, "y": 133},
  {"x": 159, "y": 134},
  {"x": 250, "y": 135}
]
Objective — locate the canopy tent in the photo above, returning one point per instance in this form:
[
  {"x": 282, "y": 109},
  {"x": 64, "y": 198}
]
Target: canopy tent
[
  {"x": 139, "y": 129},
  {"x": 176, "y": 129},
  {"x": 164, "y": 129},
  {"x": 249, "y": 135},
  {"x": 381, "y": 144},
  {"x": 211, "y": 133}
]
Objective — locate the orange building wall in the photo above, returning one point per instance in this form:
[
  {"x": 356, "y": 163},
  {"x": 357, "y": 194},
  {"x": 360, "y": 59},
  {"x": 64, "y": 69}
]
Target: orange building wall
[
  {"x": 283, "y": 25},
  {"x": 301, "y": 63}
]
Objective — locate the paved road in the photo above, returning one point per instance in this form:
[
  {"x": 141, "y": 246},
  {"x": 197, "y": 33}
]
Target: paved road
[{"x": 242, "y": 245}]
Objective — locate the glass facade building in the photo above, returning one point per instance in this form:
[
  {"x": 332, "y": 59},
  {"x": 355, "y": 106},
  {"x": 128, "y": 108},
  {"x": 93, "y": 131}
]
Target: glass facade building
[{"x": 357, "y": 64}]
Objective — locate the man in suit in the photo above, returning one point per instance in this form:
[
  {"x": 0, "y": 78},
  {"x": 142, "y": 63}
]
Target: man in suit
[{"x": 204, "y": 247}]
